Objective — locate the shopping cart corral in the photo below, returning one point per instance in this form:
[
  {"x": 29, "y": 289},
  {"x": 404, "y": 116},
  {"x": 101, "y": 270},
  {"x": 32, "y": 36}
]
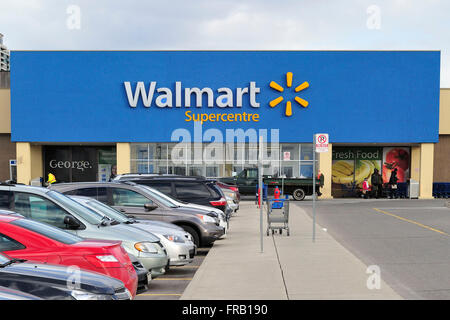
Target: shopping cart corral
[{"x": 277, "y": 215}]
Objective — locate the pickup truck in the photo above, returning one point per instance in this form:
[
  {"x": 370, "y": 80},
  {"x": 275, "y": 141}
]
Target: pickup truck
[{"x": 247, "y": 181}]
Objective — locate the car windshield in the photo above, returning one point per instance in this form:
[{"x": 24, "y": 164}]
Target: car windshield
[
  {"x": 87, "y": 214},
  {"x": 103, "y": 209},
  {"x": 48, "y": 231},
  {"x": 160, "y": 197}
]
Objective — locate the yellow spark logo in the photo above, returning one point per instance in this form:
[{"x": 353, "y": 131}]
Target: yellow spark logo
[{"x": 279, "y": 88}]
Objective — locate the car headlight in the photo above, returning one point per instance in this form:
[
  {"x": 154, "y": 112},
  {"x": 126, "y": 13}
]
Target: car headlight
[
  {"x": 147, "y": 247},
  {"x": 174, "y": 238},
  {"x": 206, "y": 218},
  {"x": 83, "y": 295}
]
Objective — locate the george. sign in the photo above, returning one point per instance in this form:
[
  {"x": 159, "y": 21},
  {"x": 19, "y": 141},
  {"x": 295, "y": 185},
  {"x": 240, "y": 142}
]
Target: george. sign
[{"x": 321, "y": 142}]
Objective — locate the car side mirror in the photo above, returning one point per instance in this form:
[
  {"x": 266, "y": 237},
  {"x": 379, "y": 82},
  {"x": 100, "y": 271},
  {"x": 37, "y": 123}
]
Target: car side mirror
[
  {"x": 71, "y": 222},
  {"x": 150, "y": 206}
]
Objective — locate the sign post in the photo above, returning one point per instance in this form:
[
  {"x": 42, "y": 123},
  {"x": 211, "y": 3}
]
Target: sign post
[
  {"x": 320, "y": 144},
  {"x": 260, "y": 189}
]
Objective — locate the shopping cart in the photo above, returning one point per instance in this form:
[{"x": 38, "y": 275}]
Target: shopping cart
[{"x": 277, "y": 215}]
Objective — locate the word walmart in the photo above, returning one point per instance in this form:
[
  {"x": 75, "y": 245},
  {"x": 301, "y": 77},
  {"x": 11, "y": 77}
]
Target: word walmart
[{"x": 182, "y": 97}]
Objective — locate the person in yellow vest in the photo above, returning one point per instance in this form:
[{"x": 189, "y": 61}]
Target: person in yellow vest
[{"x": 51, "y": 179}]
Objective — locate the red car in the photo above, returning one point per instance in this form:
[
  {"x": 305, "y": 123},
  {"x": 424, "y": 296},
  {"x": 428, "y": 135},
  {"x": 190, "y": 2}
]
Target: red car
[
  {"x": 31, "y": 240},
  {"x": 231, "y": 187}
]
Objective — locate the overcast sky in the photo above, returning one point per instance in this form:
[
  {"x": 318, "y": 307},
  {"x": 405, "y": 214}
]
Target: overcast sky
[{"x": 221, "y": 24}]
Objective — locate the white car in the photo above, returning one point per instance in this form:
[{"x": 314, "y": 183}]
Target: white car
[{"x": 178, "y": 243}]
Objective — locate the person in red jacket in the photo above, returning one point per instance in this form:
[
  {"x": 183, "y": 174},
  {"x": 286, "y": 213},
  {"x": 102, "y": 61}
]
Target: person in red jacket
[{"x": 365, "y": 188}]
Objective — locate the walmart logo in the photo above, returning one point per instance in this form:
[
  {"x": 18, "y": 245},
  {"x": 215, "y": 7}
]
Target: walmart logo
[{"x": 279, "y": 88}]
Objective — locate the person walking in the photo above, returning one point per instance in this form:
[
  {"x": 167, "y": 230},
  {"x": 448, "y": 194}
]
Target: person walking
[
  {"x": 375, "y": 182},
  {"x": 365, "y": 188},
  {"x": 321, "y": 180},
  {"x": 393, "y": 184},
  {"x": 380, "y": 185}
]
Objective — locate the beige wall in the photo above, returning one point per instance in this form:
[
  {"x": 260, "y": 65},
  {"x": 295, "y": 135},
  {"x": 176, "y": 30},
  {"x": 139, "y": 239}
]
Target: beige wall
[
  {"x": 426, "y": 170},
  {"x": 29, "y": 162},
  {"x": 123, "y": 154},
  {"x": 325, "y": 162},
  {"x": 5, "y": 111},
  {"x": 444, "y": 112}
]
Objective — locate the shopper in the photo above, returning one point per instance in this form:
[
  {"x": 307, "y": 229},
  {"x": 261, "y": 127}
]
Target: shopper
[
  {"x": 365, "y": 188},
  {"x": 321, "y": 180},
  {"x": 380, "y": 185},
  {"x": 113, "y": 172},
  {"x": 375, "y": 181},
  {"x": 393, "y": 184}
]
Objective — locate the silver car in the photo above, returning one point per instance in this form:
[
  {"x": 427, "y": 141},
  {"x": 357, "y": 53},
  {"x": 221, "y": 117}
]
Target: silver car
[
  {"x": 56, "y": 209},
  {"x": 178, "y": 244},
  {"x": 220, "y": 215}
]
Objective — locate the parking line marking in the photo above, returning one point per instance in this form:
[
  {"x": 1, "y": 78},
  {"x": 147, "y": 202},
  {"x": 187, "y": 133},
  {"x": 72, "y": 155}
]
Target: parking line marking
[
  {"x": 172, "y": 279},
  {"x": 412, "y": 221},
  {"x": 159, "y": 294}
]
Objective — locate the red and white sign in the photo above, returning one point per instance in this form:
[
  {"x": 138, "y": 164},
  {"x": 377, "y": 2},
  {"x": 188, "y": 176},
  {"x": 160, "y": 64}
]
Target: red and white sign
[
  {"x": 321, "y": 142},
  {"x": 286, "y": 155}
]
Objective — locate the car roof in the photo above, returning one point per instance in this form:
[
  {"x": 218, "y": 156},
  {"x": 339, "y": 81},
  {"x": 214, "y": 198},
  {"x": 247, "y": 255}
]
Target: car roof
[
  {"x": 152, "y": 176},
  {"x": 8, "y": 217},
  {"x": 65, "y": 185},
  {"x": 23, "y": 187}
]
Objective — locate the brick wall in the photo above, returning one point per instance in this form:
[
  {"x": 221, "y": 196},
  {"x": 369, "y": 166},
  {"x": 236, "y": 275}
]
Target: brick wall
[{"x": 7, "y": 152}]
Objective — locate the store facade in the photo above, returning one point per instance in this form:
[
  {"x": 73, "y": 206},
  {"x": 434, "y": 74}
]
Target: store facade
[{"x": 84, "y": 115}]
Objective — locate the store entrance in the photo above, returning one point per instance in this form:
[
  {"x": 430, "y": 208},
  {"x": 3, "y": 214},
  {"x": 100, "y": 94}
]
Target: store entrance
[{"x": 80, "y": 163}]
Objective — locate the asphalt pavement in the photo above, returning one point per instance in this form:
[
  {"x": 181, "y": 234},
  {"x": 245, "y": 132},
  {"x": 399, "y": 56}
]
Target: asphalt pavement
[
  {"x": 408, "y": 239},
  {"x": 172, "y": 284}
]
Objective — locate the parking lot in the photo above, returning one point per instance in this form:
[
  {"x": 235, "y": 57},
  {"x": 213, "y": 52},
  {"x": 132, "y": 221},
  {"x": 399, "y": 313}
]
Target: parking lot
[{"x": 171, "y": 285}]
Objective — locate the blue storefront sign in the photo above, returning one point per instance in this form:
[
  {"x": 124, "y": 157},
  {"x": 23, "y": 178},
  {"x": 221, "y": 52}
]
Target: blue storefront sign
[{"x": 143, "y": 96}]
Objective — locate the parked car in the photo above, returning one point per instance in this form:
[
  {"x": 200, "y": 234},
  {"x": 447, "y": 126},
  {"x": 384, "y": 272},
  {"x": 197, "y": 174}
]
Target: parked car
[
  {"x": 31, "y": 240},
  {"x": 143, "y": 275},
  {"x": 231, "y": 194},
  {"x": 223, "y": 222},
  {"x": 47, "y": 281},
  {"x": 141, "y": 202},
  {"x": 178, "y": 244},
  {"x": 191, "y": 189},
  {"x": 10, "y": 294},
  {"x": 247, "y": 181},
  {"x": 58, "y": 210}
]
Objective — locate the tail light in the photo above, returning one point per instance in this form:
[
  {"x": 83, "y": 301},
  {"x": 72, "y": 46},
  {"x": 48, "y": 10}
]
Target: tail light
[
  {"x": 235, "y": 189},
  {"x": 103, "y": 260},
  {"x": 218, "y": 203}
]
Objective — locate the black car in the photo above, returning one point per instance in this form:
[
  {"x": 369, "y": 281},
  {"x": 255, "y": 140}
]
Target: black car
[
  {"x": 142, "y": 274},
  {"x": 52, "y": 282},
  {"x": 193, "y": 189}
]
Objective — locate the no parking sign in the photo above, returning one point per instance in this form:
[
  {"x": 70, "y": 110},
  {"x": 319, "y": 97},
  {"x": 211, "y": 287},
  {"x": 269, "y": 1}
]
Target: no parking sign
[{"x": 321, "y": 142}]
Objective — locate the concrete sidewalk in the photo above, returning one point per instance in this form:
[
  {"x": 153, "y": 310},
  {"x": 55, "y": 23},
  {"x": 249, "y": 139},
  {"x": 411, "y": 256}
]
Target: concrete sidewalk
[{"x": 290, "y": 268}]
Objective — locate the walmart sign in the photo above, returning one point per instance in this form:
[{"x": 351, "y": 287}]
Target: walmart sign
[{"x": 143, "y": 96}]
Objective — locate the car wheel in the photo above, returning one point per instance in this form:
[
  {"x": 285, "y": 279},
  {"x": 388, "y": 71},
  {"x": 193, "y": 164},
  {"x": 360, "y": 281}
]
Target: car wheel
[
  {"x": 193, "y": 233},
  {"x": 298, "y": 194}
]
